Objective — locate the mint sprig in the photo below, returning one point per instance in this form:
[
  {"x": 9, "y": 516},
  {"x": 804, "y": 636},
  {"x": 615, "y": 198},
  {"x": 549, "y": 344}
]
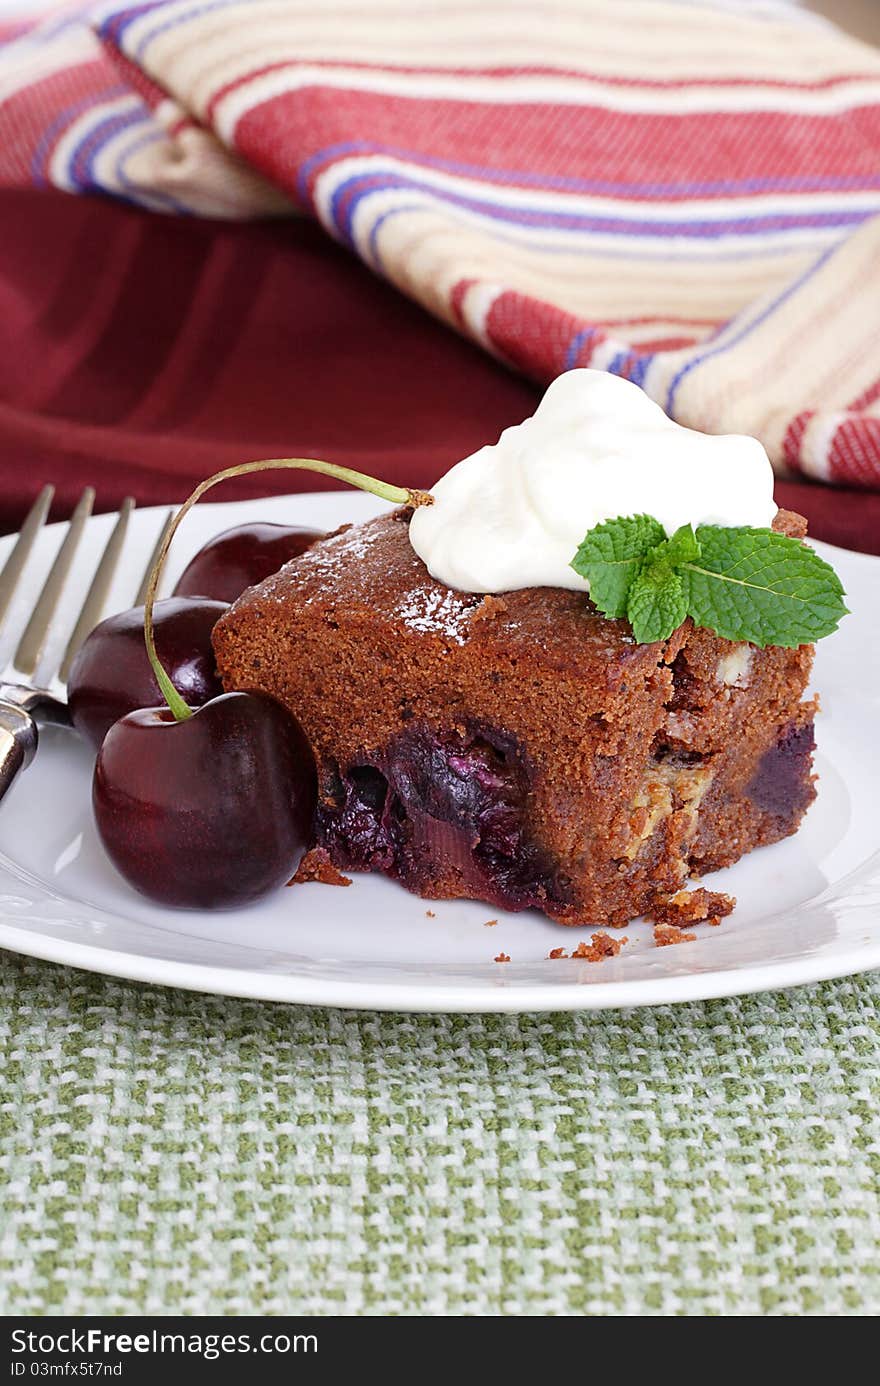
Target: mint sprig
[{"x": 742, "y": 583}]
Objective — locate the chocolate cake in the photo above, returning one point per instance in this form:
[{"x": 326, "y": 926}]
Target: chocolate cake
[{"x": 520, "y": 749}]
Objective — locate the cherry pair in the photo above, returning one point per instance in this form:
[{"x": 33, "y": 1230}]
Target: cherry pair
[{"x": 211, "y": 807}]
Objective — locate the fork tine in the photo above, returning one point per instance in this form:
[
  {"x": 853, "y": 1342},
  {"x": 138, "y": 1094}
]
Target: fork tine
[
  {"x": 27, "y": 656},
  {"x": 14, "y": 565},
  {"x": 96, "y": 597},
  {"x": 145, "y": 580}
]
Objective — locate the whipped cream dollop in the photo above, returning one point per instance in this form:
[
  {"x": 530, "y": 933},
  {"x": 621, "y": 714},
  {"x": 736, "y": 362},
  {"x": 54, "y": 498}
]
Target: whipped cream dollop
[{"x": 513, "y": 514}]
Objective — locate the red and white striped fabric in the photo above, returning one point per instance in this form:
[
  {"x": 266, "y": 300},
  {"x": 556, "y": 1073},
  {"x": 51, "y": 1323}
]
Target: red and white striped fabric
[{"x": 685, "y": 194}]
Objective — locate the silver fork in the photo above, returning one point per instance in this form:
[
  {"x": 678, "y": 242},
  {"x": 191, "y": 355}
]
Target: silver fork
[{"x": 24, "y": 704}]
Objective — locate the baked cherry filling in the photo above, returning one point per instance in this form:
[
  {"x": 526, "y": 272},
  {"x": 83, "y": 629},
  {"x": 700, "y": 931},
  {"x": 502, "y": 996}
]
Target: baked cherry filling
[
  {"x": 459, "y": 803},
  {"x": 782, "y": 785}
]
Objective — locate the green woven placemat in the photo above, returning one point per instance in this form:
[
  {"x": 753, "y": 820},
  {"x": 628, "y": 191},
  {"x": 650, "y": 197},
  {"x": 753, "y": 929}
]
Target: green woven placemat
[{"x": 180, "y": 1154}]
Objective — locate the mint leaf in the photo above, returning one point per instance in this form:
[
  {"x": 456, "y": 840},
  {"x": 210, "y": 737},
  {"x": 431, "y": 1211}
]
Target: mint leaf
[
  {"x": 756, "y": 585},
  {"x": 611, "y": 555},
  {"x": 657, "y": 603},
  {"x": 681, "y": 548}
]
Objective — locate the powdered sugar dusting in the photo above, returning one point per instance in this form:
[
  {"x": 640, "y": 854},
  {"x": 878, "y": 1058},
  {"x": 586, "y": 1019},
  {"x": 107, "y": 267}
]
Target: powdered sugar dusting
[
  {"x": 351, "y": 545},
  {"x": 347, "y": 548},
  {"x": 428, "y": 608},
  {"x": 436, "y": 612}
]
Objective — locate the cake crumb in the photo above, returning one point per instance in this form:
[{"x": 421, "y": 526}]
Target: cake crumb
[
  {"x": 316, "y": 866},
  {"x": 691, "y": 907},
  {"x": 602, "y": 946},
  {"x": 490, "y": 923},
  {"x": 664, "y": 934},
  {"x": 502, "y": 957},
  {"x": 488, "y": 608},
  {"x": 429, "y": 914},
  {"x": 557, "y": 953}
]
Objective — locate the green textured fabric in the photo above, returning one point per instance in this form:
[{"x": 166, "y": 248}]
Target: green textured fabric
[{"x": 182, "y": 1154}]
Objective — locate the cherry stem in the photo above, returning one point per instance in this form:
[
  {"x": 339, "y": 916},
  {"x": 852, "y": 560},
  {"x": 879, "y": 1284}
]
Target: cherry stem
[{"x": 396, "y": 495}]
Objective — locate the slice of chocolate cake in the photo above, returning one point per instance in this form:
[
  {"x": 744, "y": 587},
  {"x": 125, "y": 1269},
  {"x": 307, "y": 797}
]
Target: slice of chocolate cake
[{"x": 520, "y": 749}]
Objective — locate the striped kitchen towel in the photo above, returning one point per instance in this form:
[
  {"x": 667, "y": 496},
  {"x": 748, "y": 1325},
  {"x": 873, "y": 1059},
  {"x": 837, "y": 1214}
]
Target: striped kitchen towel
[
  {"x": 75, "y": 115},
  {"x": 685, "y": 194}
]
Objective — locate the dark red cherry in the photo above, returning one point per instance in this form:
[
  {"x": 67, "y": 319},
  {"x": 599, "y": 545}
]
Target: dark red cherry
[
  {"x": 111, "y": 674},
  {"x": 210, "y": 812},
  {"x": 240, "y": 557}
]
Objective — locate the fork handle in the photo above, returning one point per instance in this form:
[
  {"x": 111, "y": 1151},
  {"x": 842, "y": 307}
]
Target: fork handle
[{"x": 18, "y": 743}]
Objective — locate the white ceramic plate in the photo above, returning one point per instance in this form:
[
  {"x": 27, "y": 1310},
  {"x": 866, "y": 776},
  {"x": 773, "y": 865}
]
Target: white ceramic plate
[{"x": 809, "y": 908}]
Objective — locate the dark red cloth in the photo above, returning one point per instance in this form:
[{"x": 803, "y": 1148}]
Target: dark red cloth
[{"x": 139, "y": 353}]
